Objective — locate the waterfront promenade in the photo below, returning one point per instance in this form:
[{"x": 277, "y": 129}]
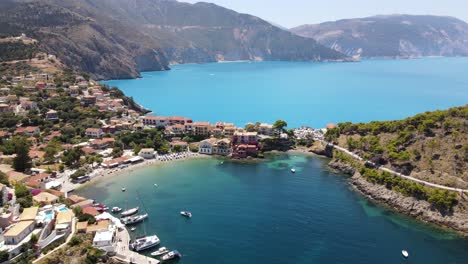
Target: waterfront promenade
[
  {"x": 426, "y": 183},
  {"x": 125, "y": 254}
]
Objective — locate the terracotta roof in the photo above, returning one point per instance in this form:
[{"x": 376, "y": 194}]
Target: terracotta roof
[
  {"x": 90, "y": 210},
  {"x": 45, "y": 197},
  {"x": 100, "y": 225},
  {"x": 91, "y": 129},
  {"x": 201, "y": 124},
  {"x": 75, "y": 198}
]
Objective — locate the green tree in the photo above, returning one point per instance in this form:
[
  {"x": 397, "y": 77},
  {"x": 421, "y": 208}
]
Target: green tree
[
  {"x": 280, "y": 125},
  {"x": 4, "y": 256},
  {"x": 23, "y": 196},
  {"x": 22, "y": 161}
]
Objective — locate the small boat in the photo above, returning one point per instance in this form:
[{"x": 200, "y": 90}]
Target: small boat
[
  {"x": 145, "y": 242},
  {"x": 123, "y": 189},
  {"x": 130, "y": 212},
  {"x": 130, "y": 220},
  {"x": 171, "y": 255},
  {"x": 155, "y": 185},
  {"x": 293, "y": 170},
  {"x": 186, "y": 214},
  {"x": 405, "y": 253},
  {"x": 116, "y": 209},
  {"x": 133, "y": 229},
  {"x": 160, "y": 251}
]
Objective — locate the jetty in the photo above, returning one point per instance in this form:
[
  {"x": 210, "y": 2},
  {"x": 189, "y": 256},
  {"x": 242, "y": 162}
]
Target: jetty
[{"x": 126, "y": 255}]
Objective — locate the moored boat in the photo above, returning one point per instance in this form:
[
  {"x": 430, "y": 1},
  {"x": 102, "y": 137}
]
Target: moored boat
[
  {"x": 130, "y": 220},
  {"x": 293, "y": 170},
  {"x": 405, "y": 253},
  {"x": 116, "y": 209},
  {"x": 145, "y": 242},
  {"x": 130, "y": 212},
  {"x": 186, "y": 214},
  {"x": 171, "y": 255},
  {"x": 123, "y": 189},
  {"x": 160, "y": 251}
]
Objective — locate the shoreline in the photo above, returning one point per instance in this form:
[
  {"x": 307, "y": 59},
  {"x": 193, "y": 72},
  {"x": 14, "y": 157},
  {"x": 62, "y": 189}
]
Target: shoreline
[{"x": 103, "y": 174}]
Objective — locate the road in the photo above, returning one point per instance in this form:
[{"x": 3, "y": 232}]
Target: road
[{"x": 426, "y": 183}]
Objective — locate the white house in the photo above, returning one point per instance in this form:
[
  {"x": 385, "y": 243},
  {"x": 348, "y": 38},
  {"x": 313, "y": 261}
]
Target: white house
[
  {"x": 103, "y": 240},
  {"x": 206, "y": 146},
  {"x": 146, "y": 153},
  {"x": 94, "y": 132},
  {"x": 18, "y": 232}
]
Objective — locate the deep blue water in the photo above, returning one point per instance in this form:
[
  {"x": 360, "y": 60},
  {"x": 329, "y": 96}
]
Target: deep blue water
[
  {"x": 303, "y": 93},
  {"x": 261, "y": 213}
]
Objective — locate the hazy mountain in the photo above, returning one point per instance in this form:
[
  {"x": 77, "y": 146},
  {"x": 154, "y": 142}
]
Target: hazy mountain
[
  {"x": 119, "y": 38},
  {"x": 392, "y": 36}
]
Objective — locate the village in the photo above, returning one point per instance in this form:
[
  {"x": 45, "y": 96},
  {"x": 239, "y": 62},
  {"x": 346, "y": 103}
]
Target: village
[{"x": 63, "y": 129}]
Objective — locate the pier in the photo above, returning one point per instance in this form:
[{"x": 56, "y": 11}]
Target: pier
[{"x": 125, "y": 254}]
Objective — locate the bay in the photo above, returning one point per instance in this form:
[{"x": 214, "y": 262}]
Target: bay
[{"x": 259, "y": 212}]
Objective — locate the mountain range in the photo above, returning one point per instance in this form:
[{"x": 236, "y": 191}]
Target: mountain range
[
  {"x": 120, "y": 38},
  {"x": 392, "y": 36}
]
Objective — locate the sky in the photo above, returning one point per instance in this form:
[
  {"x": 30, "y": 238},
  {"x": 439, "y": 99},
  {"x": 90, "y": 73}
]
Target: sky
[{"x": 290, "y": 13}]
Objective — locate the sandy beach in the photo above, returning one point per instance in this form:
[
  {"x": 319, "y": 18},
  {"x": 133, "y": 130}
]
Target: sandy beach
[{"x": 104, "y": 173}]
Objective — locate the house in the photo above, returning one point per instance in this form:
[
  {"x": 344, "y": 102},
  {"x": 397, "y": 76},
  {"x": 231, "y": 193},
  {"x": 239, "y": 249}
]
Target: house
[
  {"x": 176, "y": 129},
  {"x": 39, "y": 181},
  {"x": 101, "y": 225},
  {"x": 4, "y": 108},
  {"x": 266, "y": 129},
  {"x": 18, "y": 232},
  {"x": 40, "y": 85},
  {"x": 99, "y": 144},
  {"x": 94, "y": 132},
  {"x": 75, "y": 199},
  {"x": 222, "y": 147},
  {"x": 15, "y": 177},
  {"x": 104, "y": 240},
  {"x": 206, "y": 146},
  {"x": 36, "y": 154},
  {"x": 81, "y": 227},
  {"x": 88, "y": 151},
  {"x": 244, "y": 151},
  {"x": 201, "y": 128},
  {"x": 250, "y": 138},
  {"x": 83, "y": 204},
  {"x": 52, "y": 135},
  {"x": 52, "y": 115},
  {"x": 45, "y": 198},
  {"x": 178, "y": 120},
  {"x": 28, "y": 105},
  {"x": 74, "y": 91},
  {"x": 330, "y": 126},
  {"x": 90, "y": 210},
  {"x": 146, "y": 153},
  {"x": 179, "y": 145},
  {"x": 5, "y": 90},
  {"x": 229, "y": 130},
  {"x": 89, "y": 100},
  {"x": 65, "y": 217},
  {"x": 28, "y": 131},
  {"x": 155, "y": 121},
  {"x": 29, "y": 214}
]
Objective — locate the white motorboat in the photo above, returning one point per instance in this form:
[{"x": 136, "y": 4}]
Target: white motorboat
[
  {"x": 171, "y": 255},
  {"x": 116, "y": 209},
  {"x": 160, "y": 251},
  {"x": 133, "y": 229},
  {"x": 186, "y": 214},
  {"x": 123, "y": 189},
  {"x": 145, "y": 242},
  {"x": 130, "y": 220},
  {"x": 293, "y": 170},
  {"x": 130, "y": 212},
  {"x": 405, "y": 253}
]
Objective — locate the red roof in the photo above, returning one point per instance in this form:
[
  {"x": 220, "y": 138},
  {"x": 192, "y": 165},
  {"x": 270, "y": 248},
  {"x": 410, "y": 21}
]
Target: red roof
[
  {"x": 90, "y": 210},
  {"x": 331, "y": 126},
  {"x": 201, "y": 124}
]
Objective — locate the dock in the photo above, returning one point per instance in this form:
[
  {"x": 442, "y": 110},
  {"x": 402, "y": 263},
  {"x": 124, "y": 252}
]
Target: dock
[{"x": 126, "y": 255}]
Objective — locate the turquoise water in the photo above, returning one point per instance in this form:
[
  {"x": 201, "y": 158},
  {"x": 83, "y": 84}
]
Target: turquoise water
[
  {"x": 303, "y": 93},
  {"x": 262, "y": 213}
]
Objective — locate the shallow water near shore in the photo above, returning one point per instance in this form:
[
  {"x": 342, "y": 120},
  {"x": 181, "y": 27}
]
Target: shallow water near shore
[
  {"x": 259, "y": 212},
  {"x": 303, "y": 93}
]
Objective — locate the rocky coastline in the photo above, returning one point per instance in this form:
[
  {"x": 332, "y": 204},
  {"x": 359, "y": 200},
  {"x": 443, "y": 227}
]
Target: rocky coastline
[{"x": 418, "y": 209}]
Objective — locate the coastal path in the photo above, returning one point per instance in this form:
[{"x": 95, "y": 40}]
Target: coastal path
[{"x": 430, "y": 184}]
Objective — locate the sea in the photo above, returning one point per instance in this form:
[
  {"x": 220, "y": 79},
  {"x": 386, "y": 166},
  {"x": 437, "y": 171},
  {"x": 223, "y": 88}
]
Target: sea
[
  {"x": 259, "y": 212},
  {"x": 302, "y": 93}
]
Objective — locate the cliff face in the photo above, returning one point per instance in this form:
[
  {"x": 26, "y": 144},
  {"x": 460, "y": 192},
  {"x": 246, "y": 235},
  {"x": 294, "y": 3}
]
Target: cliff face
[
  {"x": 395, "y": 36},
  {"x": 120, "y": 38}
]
